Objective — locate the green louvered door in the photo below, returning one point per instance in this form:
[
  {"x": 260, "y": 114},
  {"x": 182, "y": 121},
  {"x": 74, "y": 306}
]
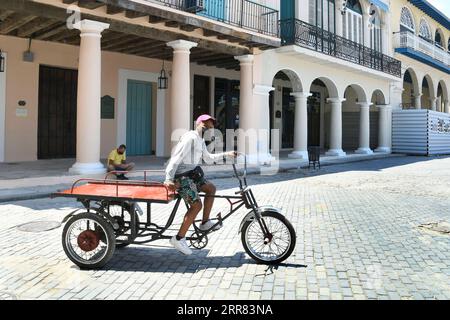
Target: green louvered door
[{"x": 139, "y": 118}]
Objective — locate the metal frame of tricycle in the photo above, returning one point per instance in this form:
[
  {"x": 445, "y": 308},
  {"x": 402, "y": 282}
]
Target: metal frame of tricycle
[{"x": 243, "y": 197}]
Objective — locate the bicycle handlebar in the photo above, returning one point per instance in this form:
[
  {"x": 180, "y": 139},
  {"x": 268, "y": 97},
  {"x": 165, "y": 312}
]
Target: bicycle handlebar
[{"x": 243, "y": 181}]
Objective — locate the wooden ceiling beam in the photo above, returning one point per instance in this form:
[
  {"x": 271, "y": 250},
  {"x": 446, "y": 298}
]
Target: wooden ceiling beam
[
  {"x": 90, "y": 4},
  {"x": 110, "y": 9},
  {"x": 60, "y": 14},
  {"x": 30, "y": 28},
  {"x": 14, "y": 22},
  {"x": 51, "y": 32},
  {"x": 134, "y": 14}
]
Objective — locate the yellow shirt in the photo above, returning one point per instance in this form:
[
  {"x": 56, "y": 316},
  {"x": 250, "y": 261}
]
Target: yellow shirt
[{"x": 116, "y": 158}]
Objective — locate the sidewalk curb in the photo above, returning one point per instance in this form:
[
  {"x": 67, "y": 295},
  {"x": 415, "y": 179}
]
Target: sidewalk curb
[{"x": 20, "y": 196}]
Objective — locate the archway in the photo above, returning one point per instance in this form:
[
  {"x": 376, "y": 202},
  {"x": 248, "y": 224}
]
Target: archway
[
  {"x": 428, "y": 93},
  {"x": 325, "y": 117},
  {"x": 442, "y": 97},
  {"x": 282, "y": 107},
  {"x": 377, "y": 127},
  {"x": 355, "y": 97},
  {"x": 410, "y": 90},
  {"x": 439, "y": 39}
]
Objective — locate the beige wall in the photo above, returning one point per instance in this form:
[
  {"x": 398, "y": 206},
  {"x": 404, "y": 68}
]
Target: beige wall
[{"x": 22, "y": 84}]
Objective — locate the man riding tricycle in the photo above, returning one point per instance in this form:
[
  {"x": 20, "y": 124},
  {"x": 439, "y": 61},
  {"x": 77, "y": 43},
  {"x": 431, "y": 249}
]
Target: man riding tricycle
[{"x": 111, "y": 216}]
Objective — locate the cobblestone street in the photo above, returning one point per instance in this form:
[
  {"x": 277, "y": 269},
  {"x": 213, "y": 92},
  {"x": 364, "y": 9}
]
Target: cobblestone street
[{"x": 358, "y": 237}]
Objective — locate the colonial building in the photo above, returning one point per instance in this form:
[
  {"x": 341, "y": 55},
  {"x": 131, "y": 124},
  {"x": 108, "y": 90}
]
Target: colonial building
[{"x": 80, "y": 77}]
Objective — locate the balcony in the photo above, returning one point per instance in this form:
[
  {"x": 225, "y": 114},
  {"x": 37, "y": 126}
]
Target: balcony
[
  {"x": 240, "y": 13},
  {"x": 420, "y": 49},
  {"x": 297, "y": 32}
]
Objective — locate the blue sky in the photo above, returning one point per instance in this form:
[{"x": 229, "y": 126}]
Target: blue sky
[{"x": 442, "y": 5}]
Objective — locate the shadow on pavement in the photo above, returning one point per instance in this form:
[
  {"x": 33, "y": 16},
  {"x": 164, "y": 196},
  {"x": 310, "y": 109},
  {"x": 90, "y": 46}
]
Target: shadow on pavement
[{"x": 165, "y": 259}]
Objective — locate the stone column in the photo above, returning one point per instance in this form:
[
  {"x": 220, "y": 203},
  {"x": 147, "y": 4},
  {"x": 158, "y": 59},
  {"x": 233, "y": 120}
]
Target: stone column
[
  {"x": 247, "y": 118},
  {"x": 366, "y": 30},
  {"x": 261, "y": 96},
  {"x": 339, "y": 18},
  {"x": 384, "y": 128},
  {"x": 300, "y": 126},
  {"x": 364, "y": 129},
  {"x": 88, "y": 98},
  {"x": 180, "y": 111},
  {"x": 433, "y": 102},
  {"x": 387, "y": 34},
  {"x": 417, "y": 101},
  {"x": 446, "y": 106},
  {"x": 336, "y": 128}
]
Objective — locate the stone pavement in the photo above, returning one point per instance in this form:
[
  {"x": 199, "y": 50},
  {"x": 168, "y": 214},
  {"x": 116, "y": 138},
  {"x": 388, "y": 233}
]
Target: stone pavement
[
  {"x": 358, "y": 241},
  {"x": 38, "y": 179}
]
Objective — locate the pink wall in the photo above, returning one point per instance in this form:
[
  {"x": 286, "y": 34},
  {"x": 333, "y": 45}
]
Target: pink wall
[{"x": 22, "y": 84}]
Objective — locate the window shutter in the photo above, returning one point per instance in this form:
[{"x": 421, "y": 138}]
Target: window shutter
[{"x": 312, "y": 12}]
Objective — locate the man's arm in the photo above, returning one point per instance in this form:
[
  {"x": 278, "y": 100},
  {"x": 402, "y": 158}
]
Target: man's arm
[{"x": 212, "y": 157}]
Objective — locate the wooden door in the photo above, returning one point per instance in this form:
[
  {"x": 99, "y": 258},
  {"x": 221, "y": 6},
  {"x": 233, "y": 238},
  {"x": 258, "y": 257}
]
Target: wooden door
[
  {"x": 57, "y": 113},
  {"x": 139, "y": 118}
]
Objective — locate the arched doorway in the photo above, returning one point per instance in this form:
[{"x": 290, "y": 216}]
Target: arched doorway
[
  {"x": 282, "y": 107},
  {"x": 428, "y": 94},
  {"x": 442, "y": 97},
  {"x": 322, "y": 130},
  {"x": 410, "y": 90}
]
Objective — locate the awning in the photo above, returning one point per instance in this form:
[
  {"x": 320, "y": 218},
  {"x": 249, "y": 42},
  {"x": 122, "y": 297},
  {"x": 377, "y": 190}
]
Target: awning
[{"x": 380, "y": 4}]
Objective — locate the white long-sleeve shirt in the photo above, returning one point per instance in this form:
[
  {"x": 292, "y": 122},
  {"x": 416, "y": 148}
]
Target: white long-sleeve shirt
[{"x": 188, "y": 154}]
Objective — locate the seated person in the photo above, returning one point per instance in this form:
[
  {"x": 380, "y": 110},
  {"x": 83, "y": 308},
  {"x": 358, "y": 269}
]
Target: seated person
[{"x": 117, "y": 162}]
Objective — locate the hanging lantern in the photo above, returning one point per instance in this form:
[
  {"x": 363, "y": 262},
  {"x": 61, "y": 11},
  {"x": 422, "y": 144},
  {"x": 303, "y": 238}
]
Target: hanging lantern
[
  {"x": 2, "y": 62},
  {"x": 163, "y": 81}
]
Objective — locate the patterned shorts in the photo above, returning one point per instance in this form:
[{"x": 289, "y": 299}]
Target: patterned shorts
[{"x": 190, "y": 188}]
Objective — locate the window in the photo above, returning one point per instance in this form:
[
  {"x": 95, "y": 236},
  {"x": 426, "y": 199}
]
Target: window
[
  {"x": 424, "y": 30},
  {"x": 322, "y": 14},
  {"x": 438, "y": 39},
  {"x": 352, "y": 22},
  {"x": 375, "y": 35},
  {"x": 406, "y": 20}
]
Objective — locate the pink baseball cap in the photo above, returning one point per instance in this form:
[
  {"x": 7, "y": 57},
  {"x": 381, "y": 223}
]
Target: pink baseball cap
[{"x": 205, "y": 117}]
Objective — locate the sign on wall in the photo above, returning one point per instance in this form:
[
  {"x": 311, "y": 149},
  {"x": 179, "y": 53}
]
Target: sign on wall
[{"x": 107, "y": 103}]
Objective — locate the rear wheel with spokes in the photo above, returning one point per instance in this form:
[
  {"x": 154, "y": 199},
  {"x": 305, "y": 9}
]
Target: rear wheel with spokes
[
  {"x": 273, "y": 247},
  {"x": 88, "y": 240}
]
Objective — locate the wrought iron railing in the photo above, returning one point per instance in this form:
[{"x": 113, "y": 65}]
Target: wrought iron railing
[
  {"x": 293, "y": 31},
  {"x": 240, "y": 13}
]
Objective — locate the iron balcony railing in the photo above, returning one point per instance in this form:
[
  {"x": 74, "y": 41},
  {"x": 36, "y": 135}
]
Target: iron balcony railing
[
  {"x": 240, "y": 13},
  {"x": 293, "y": 31},
  {"x": 406, "y": 39}
]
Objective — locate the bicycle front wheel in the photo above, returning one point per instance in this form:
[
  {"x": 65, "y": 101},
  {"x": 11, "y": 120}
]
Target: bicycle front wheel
[{"x": 274, "y": 247}]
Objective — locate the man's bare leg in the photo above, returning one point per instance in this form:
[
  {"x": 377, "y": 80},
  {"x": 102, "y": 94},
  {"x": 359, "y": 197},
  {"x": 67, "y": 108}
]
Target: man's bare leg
[
  {"x": 189, "y": 218},
  {"x": 210, "y": 190}
]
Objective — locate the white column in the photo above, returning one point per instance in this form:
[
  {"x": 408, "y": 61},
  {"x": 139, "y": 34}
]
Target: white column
[
  {"x": 262, "y": 108},
  {"x": 88, "y": 98},
  {"x": 300, "y": 126},
  {"x": 366, "y": 30},
  {"x": 387, "y": 34},
  {"x": 247, "y": 119},
  {"x": 433, "y": 102},
  {"x": 336, "y": 128},
  {"x": 180, "y": 111},
  {"x": 446, "y": 108},
  {"x": 364, "y": 129},
  {"x": 384, "y": 128},
  {"x": 339, "y": 18},
  {"x": 418, "y": 101}
]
